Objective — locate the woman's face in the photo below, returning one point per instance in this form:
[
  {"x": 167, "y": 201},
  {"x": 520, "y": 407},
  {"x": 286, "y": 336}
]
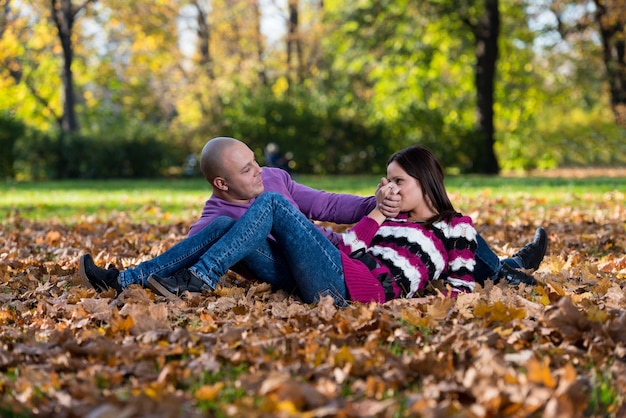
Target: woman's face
[{"x": 413, "y": 200}]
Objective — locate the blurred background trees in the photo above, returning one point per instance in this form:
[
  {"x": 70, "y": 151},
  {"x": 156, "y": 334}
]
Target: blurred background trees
[{"x": 112, "y": 88}]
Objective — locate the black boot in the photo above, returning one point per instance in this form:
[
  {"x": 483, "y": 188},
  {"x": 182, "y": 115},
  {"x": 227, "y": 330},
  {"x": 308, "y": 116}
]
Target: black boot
[
  {"x": 173, "y": 286},
  {"x": 532, "y": 254},
  {"x": 514, "y": 277},
  {"x": 97, "y": 277}
]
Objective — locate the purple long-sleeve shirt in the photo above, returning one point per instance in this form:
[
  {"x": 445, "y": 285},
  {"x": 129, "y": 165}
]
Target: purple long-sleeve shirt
[{"x": 315, "y": 204}]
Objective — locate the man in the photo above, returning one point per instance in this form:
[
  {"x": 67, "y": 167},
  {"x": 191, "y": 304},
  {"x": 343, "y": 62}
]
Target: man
[{"x": 236, "y": 179}]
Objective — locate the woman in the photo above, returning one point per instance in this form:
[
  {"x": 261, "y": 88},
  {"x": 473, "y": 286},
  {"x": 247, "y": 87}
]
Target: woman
[
  {"x": 426, "y": 240},
  {"x": 379, "y": 259}
]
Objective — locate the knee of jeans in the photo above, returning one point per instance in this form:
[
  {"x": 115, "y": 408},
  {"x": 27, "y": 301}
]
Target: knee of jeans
[
  {"x": 222, "y": 222},
  {"x": 271, "y": 196}
]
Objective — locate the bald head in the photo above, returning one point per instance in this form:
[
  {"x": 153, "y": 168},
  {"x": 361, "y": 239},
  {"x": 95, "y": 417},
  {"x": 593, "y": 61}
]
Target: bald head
[
  {"x": 231, "y": 169},
  {"x": 212, "y": 157}
]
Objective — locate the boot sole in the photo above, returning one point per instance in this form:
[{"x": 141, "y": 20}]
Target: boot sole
[
  {"x": 544, "y": 249},
  {"x": 159, "y": 289},
  {"x": 83, "y": 274}
]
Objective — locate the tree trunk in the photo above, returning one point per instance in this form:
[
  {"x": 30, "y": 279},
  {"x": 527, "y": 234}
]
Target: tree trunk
[
  {"x": 613, "y": 35},
  {"x": 204, "y": 37},
  {"x": 294, "y": 45},
  {"x": 486, "y": 32},
  {"x": 63, "y": 15},
  {"x": 260, "y": 49},
  {"x": 5, "y": 6}
]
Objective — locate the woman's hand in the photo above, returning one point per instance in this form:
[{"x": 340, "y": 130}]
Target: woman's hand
[{"x": 387, "y": 198}]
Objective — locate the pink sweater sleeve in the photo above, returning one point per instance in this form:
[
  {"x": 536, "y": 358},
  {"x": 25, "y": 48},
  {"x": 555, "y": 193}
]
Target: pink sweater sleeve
[{"x": 359, "y": 236}]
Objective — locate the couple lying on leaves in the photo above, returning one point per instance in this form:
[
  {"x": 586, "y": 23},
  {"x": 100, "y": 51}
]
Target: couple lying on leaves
[{"x": 258, "y": 222}]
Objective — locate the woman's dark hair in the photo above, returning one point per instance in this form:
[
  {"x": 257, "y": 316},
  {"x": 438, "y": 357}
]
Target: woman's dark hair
[{"x": 421, "y": 164}]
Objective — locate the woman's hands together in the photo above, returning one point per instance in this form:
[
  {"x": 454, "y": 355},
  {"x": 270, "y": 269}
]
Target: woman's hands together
[{"x": 387, "y": 198}]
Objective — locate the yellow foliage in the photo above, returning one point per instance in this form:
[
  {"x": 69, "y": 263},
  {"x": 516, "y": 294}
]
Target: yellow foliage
[
  {"x": 120, "y": 324},
  {"x": 543, "y": 295},
  {"x": 498, "y": 311},
  {"x": 280, "y": 86},
  {"x": 208, "y": 392},
  {"x": 597, "y": 315},
  {"x": 344, "y": 356},
  {"x": 539, "y": 372}
]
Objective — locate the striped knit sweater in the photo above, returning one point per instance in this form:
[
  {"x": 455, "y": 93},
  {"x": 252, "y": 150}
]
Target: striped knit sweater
[{"x": 407, "y": 255}]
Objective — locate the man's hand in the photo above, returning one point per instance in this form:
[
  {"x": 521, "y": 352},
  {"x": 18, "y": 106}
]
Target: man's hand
[{"x": 387, "y": 198}]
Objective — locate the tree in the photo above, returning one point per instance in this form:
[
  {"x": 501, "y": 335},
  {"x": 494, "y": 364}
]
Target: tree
[
  {"x": 376, "y": 74},
  {"x": 414, "y": 59},
  {"x": 203, "y": 34},
  {"x": 260, "y": 45},
  {"x": 611, "y": 18},
  {"x": 576, "y": 19},
  {"x": 64, "y": 16},
  {"x": 5, "y": 15},
  {"x": 28, "y": 67},
  {"x": 294, "y": 43},
  {"x": 229, "y": 60},
  {"x": 482, "y": 18},
  {"x": 486, "y": 31}
]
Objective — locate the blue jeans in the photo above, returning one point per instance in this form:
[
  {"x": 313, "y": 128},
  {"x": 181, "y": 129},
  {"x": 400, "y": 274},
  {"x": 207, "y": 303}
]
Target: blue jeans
[
  {"x": 266, "y": 261},
  {"x": 301, "y": 257},
  {"x": 314, "y": 262},
  {"x": 487, "y": 262}
]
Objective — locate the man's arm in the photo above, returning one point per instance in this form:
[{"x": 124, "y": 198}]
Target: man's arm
[
  {"x": 324, "y": 206},
  {"x": 342, "y": 208},
  {"x": 315, "y": 204}
]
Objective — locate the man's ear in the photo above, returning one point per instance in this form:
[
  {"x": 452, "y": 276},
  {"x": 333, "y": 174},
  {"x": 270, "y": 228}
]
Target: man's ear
[{"x": 220, "y": 183}]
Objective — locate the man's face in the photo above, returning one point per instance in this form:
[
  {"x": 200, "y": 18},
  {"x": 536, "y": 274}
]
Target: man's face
[{"x": 242, "y": 174}]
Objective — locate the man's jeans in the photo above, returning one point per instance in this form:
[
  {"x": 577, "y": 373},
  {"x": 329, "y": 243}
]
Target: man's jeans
[{"x": 266, "y": 261}]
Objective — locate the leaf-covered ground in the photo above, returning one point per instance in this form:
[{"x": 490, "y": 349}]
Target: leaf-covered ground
[{"x": 556, "y": 350}]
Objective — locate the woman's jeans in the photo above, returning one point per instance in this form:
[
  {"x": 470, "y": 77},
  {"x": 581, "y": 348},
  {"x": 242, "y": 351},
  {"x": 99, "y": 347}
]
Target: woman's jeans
[
  {"x": 487, "y": 262},
  {"x": 300, "y": 257}
]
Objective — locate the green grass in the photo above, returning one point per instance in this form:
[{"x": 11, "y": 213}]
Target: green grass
[
  {"x": 182, "y": 199},
  {"x": 71, "y": 200},
  {"x": 474, "y": 185}
]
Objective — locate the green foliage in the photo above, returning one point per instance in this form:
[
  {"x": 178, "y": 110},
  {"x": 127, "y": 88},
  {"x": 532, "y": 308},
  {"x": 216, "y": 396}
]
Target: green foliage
[
  {"x": 373, "y": 77},
  {"x": 604, "y": 395},
  {"x": 35, "y": 155},
  {"x": 413, "y": 78},
  {"x": 571, "y": 139},
  {"x": 138, "y": 155},
  {"x": 10, "y": 131},
  {"x": 135, "y": 153},
  {"x": 322, "y": 138}
]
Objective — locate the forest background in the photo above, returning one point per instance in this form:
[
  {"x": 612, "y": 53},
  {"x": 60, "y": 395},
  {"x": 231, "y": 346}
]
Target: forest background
[{"x": 112, "y": 88}]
